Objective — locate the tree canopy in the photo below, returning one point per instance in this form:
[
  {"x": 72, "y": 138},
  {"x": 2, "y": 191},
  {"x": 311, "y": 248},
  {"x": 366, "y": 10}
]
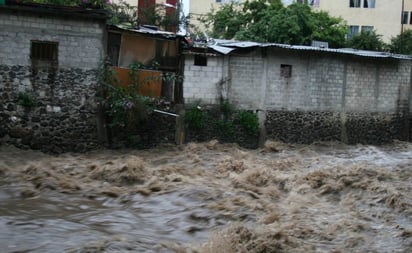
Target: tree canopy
[
  {"x": 367, "y": 41},
  {"x": 270, "y": 21},
  {"x": 402, "y": 44}
]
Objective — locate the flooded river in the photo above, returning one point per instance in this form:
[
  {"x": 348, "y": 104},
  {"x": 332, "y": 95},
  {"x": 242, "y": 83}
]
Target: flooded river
[{"x": 209, "y": 197}]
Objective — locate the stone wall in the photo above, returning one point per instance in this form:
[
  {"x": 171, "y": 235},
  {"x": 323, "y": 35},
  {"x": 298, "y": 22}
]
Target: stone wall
[
  {"x": 221, "y": 127},
  {"x": 51, "y": 106},
  {"x": 156, "y": 130},
  {"x": 351, "y": 128},
  {"x": 59, "y": 113},
  {"x": 303, "y": 127}
]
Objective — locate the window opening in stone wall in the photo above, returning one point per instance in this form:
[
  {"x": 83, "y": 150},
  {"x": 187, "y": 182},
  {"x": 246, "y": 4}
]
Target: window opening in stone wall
[
  {"x": 44, "y": 51},
  {"x": 354, "y": 3},
  {"x": 285, "y": 70},
  {"x": 200, "y": 60},
  {"x": 405, "y": 17},
  {"x": 368, "y": 3}
]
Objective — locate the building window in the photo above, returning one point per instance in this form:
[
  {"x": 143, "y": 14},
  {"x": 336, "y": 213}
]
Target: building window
[
  {"x": 410, "y": 21},
  {"x": 314, "y": 3},
  {"x": 44, "y": 51},
  {"x": 353, "y": 30},
  {"x": 285, "y": 70},
  {"x": 200, "y": 60},
  {"x": 355, "y": 3},
  {"x": 368, "y": 3},
  {"x": 405, "y": 17},
  {"x": 367, "y": 28}
]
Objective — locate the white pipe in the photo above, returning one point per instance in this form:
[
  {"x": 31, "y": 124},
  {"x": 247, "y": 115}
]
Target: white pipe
[{"x": 167, "y": 113}]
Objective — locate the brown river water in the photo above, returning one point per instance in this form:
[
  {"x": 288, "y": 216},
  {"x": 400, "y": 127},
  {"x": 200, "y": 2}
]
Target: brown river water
[{"x": 209, "y": 197}]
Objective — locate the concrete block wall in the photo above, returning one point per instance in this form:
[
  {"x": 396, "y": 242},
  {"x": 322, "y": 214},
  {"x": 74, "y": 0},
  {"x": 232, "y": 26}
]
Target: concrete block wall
[
  {"x": 246, "y": 80},
  {"x": 80, "y": 41},
  {"x": 319, "y": 82},
  {"x": 327, "y": 97},
  {"x": 201, "y": 82}
]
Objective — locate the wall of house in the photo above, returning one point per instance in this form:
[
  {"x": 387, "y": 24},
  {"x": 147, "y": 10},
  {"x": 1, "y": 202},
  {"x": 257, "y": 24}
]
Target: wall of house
[
  {"x": 327, "y": 96},
  {"x": 59, "y": 113},
  {"x": 319, "y": 82},
  {"x": 201, "y": 82}
]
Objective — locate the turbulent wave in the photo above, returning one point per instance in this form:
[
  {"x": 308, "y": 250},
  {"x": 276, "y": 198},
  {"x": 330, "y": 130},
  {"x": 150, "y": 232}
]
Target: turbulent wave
[{"x": 212, "y": 197}]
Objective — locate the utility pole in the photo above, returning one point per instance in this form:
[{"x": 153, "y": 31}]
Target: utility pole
[
  {"x": 403, "y": 9},
  {"x": 401, "y": 37}
]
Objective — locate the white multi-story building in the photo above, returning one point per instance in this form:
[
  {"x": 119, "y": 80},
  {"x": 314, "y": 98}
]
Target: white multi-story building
[{"x": 387, "y": 17}]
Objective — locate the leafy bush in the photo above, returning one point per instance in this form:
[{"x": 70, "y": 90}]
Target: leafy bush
[
  {"x": 249, "y": 121},
  {"x": 124, "y": 106},
  {"x": 195, "y": 118},
  {"x": 402, "y": 43},
  {"x": 225, "y": 129},
  {"x": 367, "y": 41}
]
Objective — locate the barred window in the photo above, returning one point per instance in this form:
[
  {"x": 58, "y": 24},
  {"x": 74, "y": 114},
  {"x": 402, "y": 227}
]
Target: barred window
[{"x": 44, "y": 51}]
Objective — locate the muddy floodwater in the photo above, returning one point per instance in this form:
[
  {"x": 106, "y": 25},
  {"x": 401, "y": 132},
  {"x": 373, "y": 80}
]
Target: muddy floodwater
[{"x": 209, "y": 197}]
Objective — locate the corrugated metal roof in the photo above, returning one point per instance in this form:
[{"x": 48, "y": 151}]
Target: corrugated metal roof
[
  {"x": 144, "y": 30},
  {"x": 222, "y": 50},
  {"x": 227, "y": 46}
]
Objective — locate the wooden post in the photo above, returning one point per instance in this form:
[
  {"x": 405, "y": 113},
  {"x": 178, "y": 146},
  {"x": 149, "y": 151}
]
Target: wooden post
[{"x": 180, "y": 124}]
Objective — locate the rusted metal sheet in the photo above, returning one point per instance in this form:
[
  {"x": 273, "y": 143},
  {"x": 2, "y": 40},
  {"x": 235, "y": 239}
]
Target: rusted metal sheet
[
  {"x": 150, "y": 81},
  {"x": 147, "y": 50}
]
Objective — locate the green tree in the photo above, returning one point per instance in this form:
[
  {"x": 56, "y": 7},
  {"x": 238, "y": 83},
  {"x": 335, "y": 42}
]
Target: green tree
[
  {"x": 367, "y": 41},
  {"x": 225, "y": 22},
  {"x": 402, "y": 44},
  {"x": 270, "y": 21},
  {"x": 328, "y": 28},
  {"x": 292, "y": 25},
  {"x": 256, "y": 20}
]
